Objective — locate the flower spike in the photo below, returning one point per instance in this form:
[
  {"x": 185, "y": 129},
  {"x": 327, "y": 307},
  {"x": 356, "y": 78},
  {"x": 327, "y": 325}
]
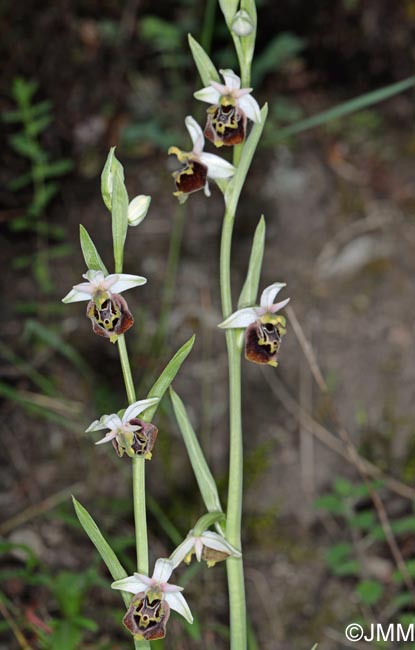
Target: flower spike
[
  {"x": 231, "y": 107},
  {"x": 264, "y": 329},
  {"x": 198, "y": 165},
  {"x": 128, "y": 433},
  {"x": 107, "y": 310},
  {"x": 149, "y": 610}
]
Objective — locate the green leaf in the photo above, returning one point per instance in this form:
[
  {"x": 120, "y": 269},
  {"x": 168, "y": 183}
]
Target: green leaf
[
  {"x": 25, "y": 147},
  {"x": 169, "y": 373},
  {"x": 331, "y": 503},
  {"x": 57, "y": 168},
  {"x": 410, "y": 567},
  {"x": 338, "y": 554},
  {"x": 235, "y": 186},
  {"x": 203, "y": 62},
  {"x": 343, "y": 487},
  {"x": 349, "y": 568},
  {"x": 92, "y": 258},
  {"x": 119, "y": 212},
  {"x": 205, "y": 480},
  {"x": 363, "y": 520},
  {"x": 39, "y": 124},
  {"x": 20, "y": 182},
  {"x": 250, "y": 288},
  {"x": 206, "y": 521},
  {"x": 104, "y": 549},
  {"x": 229, "y": 9},
  {"x": 346, "y": 108},
  {"x": 369, "y": 591}
]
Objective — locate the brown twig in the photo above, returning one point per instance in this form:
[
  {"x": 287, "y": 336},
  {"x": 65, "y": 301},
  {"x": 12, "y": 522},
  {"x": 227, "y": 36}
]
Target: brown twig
[
  {"x": 20, "y": 637},
  {"x": 354, "y": 455}
]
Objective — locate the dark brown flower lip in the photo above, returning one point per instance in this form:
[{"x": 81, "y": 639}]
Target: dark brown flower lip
[
  {"x": 191, "y": 178},
  {"x": 263, "y": 340},
  {"x": 112, "y": 318},
  {"x": 225, "y": 125},
  {"x": 147, "y": 619}
]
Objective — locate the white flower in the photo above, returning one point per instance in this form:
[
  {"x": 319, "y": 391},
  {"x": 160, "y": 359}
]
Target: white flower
[
  {"x": 208, "y": 546},
  {"x": 157, "y": 587},
  {"x": 199, "y": 165},
  {"x": 137, "y": 209},
  {"x": 244, "y": 317},
  {"x": 99, "y": 288},
  {"x": 230, "y": 93},
  {"x": 120, "y": 428}
]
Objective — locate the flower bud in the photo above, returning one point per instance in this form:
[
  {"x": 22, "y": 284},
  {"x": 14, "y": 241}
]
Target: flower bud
[
  {"x": 242, "y": 24},
  {"x": 138, "y": 208}
]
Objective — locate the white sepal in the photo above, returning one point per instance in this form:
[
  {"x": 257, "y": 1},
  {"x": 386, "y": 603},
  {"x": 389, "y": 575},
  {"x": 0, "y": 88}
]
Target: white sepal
[
  {"x": 163, "y": 569},
  {"x": 219, "y": 543},
  {"x": 111, "y": 421},
  {"x": 178, "y": 602},
  {"x": 240, "y": 318},
  {"x": 196, "y": 134},
  {"x": 110, "y": 436},
  {"x": 138, "y": 407},
  {"x": 182, "y": 551},
  {"x": 133, "y": 584},
  {"x": 209, "y": 95},
  {"x": 269, "y": 294},
  {"x": 217, "y": 166},
  {"x": 250, "y": 107},
  {"x": 76, "y": 296},
  {"x": 126, "y": 281},
  {"x": 232, "y": 80}
]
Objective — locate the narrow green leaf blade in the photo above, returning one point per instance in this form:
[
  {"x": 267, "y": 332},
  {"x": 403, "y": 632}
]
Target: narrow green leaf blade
[
  {"x": 203, "y": 62},
  {"x": 119, "y": 211},
  {"x": 167, "y": 376},
  {"x": 229, "y": 9},
  {"x": 205, "y": 480},
  {"x": 250, "y": 288},
  {"x": 92, "y": 258},
  {"x": 235, "y": 186},
  {"x": 104, "y": 549},
  {"x": 351, "y": 106}
]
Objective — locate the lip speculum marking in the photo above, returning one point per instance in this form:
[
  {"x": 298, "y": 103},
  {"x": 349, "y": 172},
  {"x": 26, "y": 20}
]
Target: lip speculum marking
[
  {"x": 111, "y": 318},
  {"x": 147, "y": 617},
  {"x": 226, "y": 123},
  {"x": 263, "y": 339}
]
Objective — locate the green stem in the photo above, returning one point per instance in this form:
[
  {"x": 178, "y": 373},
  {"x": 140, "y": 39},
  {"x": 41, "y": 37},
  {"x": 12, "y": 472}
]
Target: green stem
[
  {"x": 235, "y": 571},
  {"x": 139, "y": 491}
]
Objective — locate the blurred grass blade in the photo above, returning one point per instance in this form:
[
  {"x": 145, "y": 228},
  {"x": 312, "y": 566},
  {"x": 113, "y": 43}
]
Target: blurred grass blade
[
  {"x": 250, "y": 288},
  {"x": 346, "y": 108},
  {"x": 104, "y": 549},
  {"x": 26, "y": 369},
  {"x": 163, "y": 521},
  {"x": 235, "y": 186},
  {"x": 119, "y": 214},
  {"x": 203, "y": 62},
  {"x": 205, "y": 480},
  {"x": 53, "y": 340},
  {"x": 167, "y": 376},
  {"x": 92, "y": 258}
]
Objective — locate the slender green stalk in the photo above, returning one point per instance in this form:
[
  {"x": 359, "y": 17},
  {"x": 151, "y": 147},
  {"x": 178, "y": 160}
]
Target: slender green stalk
[
  {"x": 139, "y": 490},
  {"x": 236, "y": 586}
]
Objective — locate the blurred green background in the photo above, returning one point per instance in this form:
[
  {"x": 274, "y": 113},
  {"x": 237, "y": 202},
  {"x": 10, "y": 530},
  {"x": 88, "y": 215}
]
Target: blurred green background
[{"x": 339, "y": 200}]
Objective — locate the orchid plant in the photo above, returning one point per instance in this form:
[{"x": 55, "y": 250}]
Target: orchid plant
[{"x": 149, "y": 600}]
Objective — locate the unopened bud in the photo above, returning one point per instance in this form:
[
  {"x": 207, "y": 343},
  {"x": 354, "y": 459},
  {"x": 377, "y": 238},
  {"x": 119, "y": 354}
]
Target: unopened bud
[
  {"x": 138, "y": 208},
  {"x": 242, "y": 24}
]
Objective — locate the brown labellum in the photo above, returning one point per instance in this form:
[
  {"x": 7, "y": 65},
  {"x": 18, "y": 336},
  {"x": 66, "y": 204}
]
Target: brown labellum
[
  {"x": 143, "y": 440},
  {"x": 262, "y": 342},
  {"x": 226, "y": 125},
  {"x": 191, "y": 178},
  {"x": 147, "y": 620},
  {"x": 112, "y": 318}
]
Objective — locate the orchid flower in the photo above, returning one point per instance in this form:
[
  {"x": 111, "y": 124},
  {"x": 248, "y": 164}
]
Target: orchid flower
[
  {"x": 198, "y": 165},
  {"x": 128, "y": 433},
  {"x": 231, "y": 106},
  {"x": 263, "y": 328},
  {"x": 208, "y": 546},
  {"x": 107, "y": 310},
  {"x": 149, "y": 610}
]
